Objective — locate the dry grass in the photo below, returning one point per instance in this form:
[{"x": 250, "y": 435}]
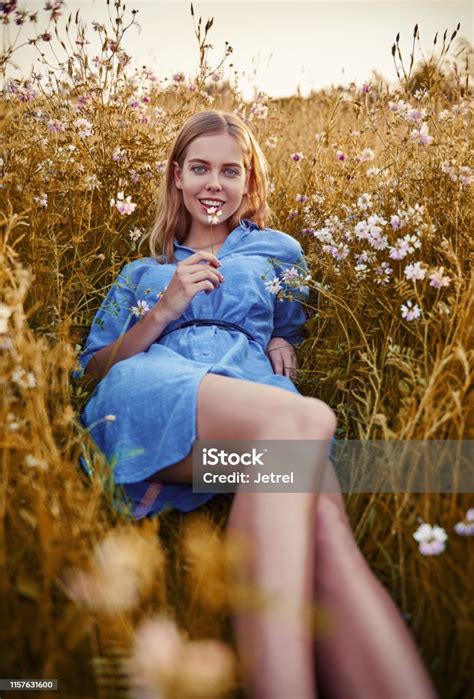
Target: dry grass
[{"x": 386, "y": 377}]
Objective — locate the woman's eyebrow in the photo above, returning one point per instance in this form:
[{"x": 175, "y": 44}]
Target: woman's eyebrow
[{"x": 206, "y": 162}]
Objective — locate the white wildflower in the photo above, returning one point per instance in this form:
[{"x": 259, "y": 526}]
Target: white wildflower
[
  {"x": 42, "y": 200},
  {"x": 91, "y": 182},
  {"x": 140, "y": 309},
  {"x": 415, "y": 271},
  {"x": 364, "y": 202},
  {"x": 118, "y": 155},
  {"x": 431, "y": 539},
  {"x": 271, "y": 141},
  {"x": 84, "y": 126},
  {"x": 410, "y": 311},
  {"x": 24, "y": 379},
  {"x": 290, "y": 274},
  {"x": 213, "y": 215},
  {"x": 273, "y": 285},
  {"x": 32, "y": 462},
  {"x": 135, "y": 234},
  {"x": 383, "y": 272},
  {"x": 325, "y": 235},
  {"x": 366, "y": 154},
  {"x": 125, "y": 206},
  {"x": 12, "y": 422},
  {"x": 362, "y": 230},
  {"x": 5, "y": 313}
]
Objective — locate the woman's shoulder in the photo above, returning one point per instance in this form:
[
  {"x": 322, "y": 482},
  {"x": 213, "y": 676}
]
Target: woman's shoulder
[
  {"x": 285, "y": 244},
  {"x": 140, "y": 263},
  {"x": 132, "y": 272}
]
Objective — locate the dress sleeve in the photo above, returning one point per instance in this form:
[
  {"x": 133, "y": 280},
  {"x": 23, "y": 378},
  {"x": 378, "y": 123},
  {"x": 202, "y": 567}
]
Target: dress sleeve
[
  {"x": 113, "y": 319},
  {"x": 290, "y": 316}
]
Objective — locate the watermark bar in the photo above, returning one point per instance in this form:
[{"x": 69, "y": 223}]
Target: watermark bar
[
  {"x": 23, "y": 684},
  {"x": 353, "y": 466}
]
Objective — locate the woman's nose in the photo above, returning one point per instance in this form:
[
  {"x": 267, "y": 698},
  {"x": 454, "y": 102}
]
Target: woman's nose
[{"x": 214, "y": 182}]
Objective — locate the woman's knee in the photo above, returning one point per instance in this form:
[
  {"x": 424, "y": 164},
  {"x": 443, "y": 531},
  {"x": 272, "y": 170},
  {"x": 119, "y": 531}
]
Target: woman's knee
[
  {"x": 319, "y": 421},
  {"x": 298, "y": 418}
]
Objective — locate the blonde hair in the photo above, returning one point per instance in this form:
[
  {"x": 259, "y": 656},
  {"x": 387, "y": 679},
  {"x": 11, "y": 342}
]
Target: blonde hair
[{"x": 172, "y": 219}]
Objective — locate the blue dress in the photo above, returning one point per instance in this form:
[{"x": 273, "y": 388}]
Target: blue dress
[{"x": 153, "y": 394}]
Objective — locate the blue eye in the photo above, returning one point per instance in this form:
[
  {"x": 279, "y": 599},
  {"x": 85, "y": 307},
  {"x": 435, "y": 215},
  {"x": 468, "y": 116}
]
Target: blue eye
[{"x": 195, "y": 167}]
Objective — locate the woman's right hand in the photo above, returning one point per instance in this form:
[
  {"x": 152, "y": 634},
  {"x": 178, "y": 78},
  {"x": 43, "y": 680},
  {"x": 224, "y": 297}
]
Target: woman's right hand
[{"x": 190, "y": 277}]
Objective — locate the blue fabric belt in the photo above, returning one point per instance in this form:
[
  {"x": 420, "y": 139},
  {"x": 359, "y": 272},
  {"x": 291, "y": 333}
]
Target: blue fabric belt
[{"x": 207, "y": 321}]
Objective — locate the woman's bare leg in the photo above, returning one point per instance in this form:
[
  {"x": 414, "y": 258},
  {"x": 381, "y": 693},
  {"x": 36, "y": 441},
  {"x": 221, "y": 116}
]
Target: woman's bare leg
[
  {"x": 278, "y": 526},
  {"x": 277, "y": 644},
  {"x": 368, "y": 652}
]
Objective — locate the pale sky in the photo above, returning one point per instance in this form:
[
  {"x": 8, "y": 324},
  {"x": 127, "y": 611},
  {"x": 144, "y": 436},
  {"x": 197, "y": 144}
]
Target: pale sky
[{"x": 278, "y": 44}]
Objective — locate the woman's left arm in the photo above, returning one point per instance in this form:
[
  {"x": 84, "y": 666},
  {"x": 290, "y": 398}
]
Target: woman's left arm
[{"x": 282, "y": 357}]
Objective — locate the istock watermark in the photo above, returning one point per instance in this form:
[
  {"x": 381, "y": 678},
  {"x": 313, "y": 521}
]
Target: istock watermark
[
  {"x": 214, "y": 456},
  {"x": 350, "y": 466}
]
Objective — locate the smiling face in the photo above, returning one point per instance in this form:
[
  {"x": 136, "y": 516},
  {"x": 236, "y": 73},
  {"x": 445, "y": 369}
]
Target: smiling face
[{"x": 213, "y": 171}]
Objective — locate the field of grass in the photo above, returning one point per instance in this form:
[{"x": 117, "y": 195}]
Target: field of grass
[{"x": 376, "y": 184}]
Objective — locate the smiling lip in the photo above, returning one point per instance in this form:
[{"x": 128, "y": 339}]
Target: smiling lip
[{"x": 219, "y": 200}]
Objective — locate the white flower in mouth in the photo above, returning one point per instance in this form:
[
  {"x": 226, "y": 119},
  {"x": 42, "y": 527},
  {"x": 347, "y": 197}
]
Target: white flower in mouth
[{"x": 213, "y": 215}]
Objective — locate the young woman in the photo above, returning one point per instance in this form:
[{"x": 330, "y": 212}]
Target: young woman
[{"x": 191, "y": 344}]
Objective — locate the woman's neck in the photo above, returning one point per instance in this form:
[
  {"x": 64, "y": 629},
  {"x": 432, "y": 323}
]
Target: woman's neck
[
  {"x": 202, "y": 247},
  {"x": 206, "y": 236}
]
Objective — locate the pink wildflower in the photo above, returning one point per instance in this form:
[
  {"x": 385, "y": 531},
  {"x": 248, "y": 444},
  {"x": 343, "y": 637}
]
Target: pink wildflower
[
  {"x": 464, "y": 529},
  {"x": 431, "y": 539},
  {"x": 125, "y": 206},
  {"x": 437, "y": 278},
  {"x": 396, "y": 222},
  {"x": 56, "y": 126},
  {"x": 8, "y": 6},
  {"x": 466, "y": 526},
  {"x": 421, "y": 135}
]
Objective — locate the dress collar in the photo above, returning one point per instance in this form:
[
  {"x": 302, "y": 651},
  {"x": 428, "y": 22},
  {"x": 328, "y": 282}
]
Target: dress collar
[{"x": 244, "y": 228}]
